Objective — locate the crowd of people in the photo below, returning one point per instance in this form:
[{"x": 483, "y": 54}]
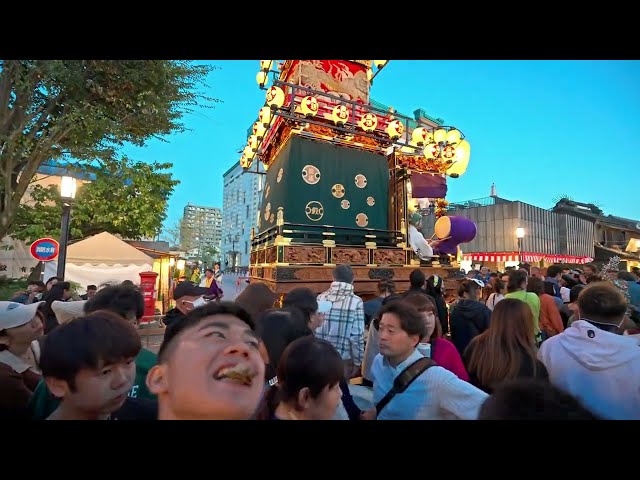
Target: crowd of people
[{"x": 526, "y": 344}]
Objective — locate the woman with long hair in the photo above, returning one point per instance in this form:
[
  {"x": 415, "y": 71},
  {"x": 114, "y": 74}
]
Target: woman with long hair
[
  {"x": 308, "y": 388},
  {"x": 507, "y": 350},
  {"x": 469, "y": 317},
  {"x": 441, "y": 351}
]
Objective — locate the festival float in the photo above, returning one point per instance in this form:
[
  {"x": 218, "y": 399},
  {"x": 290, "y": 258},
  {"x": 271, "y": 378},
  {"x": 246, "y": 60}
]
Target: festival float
[{"x": 348, "y": 182}]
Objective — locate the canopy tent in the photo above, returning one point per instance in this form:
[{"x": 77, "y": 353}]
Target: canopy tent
[
  {"x": 15, "y": 259},
  {"x": 102, "y": 258},
  {"x": 526, "y": 257}
]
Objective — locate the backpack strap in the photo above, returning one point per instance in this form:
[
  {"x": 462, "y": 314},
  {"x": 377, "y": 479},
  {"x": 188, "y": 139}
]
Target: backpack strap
[{"x": 406, "y": 378}]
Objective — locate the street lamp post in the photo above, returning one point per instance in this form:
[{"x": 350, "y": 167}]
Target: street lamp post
[
  {"x": 233, "y": 240},
  {"x": 520, "y": 236},
  {"x": 68, "y": 188}
]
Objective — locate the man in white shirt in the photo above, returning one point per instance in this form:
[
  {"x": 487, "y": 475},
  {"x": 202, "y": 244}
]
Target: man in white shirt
[
  {"x": 436, "y": 394},
  {"x": 592, "y": 361}
]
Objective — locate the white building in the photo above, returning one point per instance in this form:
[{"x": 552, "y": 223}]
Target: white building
[
  {"x": 203, "y": 226},
  {"x": 242, "y": 194}
]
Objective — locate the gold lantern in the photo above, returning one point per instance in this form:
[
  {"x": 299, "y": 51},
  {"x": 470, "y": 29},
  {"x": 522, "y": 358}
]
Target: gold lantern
[
  {"x": 264, "y": 116},
  {"x": 275, "y": 97},
  {"x": 432, "y": 150},
  {"x": 259, "y": 130},
  {"x": 440, "y": 135},
  {"x": 265, "y": 65},
  {"x": 453, "y": 136},
  {"x": 248, "y": 152},
  {"x": 461, "y": 159},
  {"x": 395, "y": 129},
  {"x": 369, "y": 122},
  {"x": 245, "y": 162},
  {"x": 261, "y": 78},
  {"x": 309, "y": 106},
  {"x": 419, "y": 136},
  {"x": 340, "y": 114},
  {"x": 253, "y": 142}
]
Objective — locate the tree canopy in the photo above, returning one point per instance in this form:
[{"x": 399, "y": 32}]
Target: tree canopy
[
  {"x": 84, "y": 111},
  {"x": 124, "y": 197}
]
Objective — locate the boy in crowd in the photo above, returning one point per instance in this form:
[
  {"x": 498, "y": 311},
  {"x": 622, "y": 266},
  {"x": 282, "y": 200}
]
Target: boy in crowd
[
  {"x": 89, "y": 364},
  {"x": 128, "y": 303}
]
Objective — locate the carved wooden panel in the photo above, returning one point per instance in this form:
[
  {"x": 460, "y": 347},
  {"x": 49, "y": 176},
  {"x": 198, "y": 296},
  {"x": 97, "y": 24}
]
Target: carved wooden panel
[
  {"x": 315, "y": 274},
  {"x": 353, "y": 256},
  {"x": 389, "y": 257},
  {"x": 271, "y": 255},
  {"x": 304, "y": 255}
]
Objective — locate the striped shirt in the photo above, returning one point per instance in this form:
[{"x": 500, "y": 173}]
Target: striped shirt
[{"x": 344, "y": 324}]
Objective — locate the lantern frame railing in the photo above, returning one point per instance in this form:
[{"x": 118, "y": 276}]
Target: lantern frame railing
[{"x": 350, "y": 126}]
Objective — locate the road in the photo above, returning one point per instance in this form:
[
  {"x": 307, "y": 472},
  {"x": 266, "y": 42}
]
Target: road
[{"x": 229, "y": 287}]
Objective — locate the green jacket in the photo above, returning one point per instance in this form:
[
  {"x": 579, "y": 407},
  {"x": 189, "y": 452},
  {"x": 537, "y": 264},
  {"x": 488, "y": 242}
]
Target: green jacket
[
  {"x": 533, "y": 301},
  {"x": 43, "y": 403}
]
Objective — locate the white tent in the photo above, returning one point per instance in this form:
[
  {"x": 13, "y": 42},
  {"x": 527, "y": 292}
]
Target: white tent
[
  {"x": 15, "y": 259},
  {"x": 99, "y": 259}
]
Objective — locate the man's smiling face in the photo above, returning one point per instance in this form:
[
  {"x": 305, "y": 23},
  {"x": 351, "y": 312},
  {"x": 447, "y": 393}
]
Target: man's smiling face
[{"x": 213, "y": 370}]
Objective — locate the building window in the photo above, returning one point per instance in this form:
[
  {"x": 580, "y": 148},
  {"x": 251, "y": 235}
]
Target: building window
[
  {"x": 246, "y": 247},
  {"x": 247, "y": 211}
]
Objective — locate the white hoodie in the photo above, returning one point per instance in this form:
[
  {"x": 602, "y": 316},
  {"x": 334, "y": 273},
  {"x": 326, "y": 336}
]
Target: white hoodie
[{"x": 601, "y": 369}]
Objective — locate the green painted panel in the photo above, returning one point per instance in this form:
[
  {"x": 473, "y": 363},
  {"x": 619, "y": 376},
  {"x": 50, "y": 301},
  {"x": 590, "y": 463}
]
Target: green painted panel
[{"x": 317, "y": 183}]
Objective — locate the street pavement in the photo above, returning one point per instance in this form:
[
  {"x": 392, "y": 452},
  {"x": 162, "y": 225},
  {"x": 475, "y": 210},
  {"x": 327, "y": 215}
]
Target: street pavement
[{"x": 229, "y": 287}]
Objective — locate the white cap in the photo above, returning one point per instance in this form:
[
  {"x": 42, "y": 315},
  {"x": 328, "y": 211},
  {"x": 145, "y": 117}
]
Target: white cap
[
  {"x": 67, "y": 311},
  {"x": 14, "y": 314}
]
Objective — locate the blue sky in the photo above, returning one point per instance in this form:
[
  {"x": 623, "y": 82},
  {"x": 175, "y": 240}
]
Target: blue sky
[{"x": 537, "y": 129}]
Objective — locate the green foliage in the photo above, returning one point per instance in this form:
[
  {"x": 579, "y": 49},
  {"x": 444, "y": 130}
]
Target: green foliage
[
  {"x": 8, "y": 287},
  {"x": 84, "y": 111},
  {"x": 126, "y": 198}
]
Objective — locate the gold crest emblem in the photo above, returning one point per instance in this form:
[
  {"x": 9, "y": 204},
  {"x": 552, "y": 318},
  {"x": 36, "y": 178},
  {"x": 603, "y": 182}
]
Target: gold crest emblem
[
  {"x": 314, "y": 211},
  {"x": 337, "y": 190}
]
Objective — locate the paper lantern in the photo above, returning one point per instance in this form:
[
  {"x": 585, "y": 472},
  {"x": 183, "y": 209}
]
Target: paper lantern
[
  {"x": 369, "y": 74},
  {"x": 419, "y": 136},
  {"x": 264, "y": 116},
  {"x": 460, "y": 159},
  {"x": 261, "y": 78},
  {"x": 275, "y": 97},
  {"x": 245, "y": 162},
  {"x": 432, "y": 150},
  {"x": 369, "y": 122},
  {"x": 453, "y": 136},
  {"x": 253, "y": 142},
  {"x": 440, "y": 135},
  {"x": 258, "y": 129},
  {"x": 395, "y": 129},
  {"x": 266, "y": 65},
  {"x": 247, "y": 152},
  {"x": 340, "y": 114},
  {"x": 309, "y": 106}
]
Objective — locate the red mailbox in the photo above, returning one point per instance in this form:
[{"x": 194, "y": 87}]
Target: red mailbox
[{"x": 149, "y": 292}]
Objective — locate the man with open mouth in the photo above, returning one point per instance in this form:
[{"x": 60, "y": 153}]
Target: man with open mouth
[{"x": 209, "y": 366}]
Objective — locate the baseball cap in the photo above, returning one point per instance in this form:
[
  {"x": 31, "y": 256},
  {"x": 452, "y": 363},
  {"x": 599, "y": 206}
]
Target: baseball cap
[
  {"x": 14, "y": 314},
  {"x": 324, "y": 306},
  {"x": 184, "y": 289},
  {"x": 67, "y": 311}
]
